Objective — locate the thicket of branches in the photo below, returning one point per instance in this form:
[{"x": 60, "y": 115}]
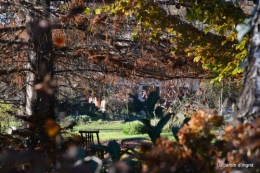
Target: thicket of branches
[{"x": 85, "y": 48}]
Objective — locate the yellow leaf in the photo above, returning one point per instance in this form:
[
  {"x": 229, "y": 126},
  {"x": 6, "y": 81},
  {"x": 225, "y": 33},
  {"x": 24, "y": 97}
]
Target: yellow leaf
[
  {"x": 51, "y": 128},
  {"x": 197, "y": 59}
]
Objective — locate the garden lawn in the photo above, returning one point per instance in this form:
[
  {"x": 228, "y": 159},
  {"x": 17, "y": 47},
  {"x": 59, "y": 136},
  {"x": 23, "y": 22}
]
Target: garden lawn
[
  {"x": 113, "y": 125},
  {"x": 108, "y": 135},
  {"x": 114, "y": 130}
]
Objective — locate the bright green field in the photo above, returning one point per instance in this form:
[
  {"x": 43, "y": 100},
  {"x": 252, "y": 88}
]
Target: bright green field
[
  {"x": 107, "y": 135},
  {"x": 113, "y": 131}
]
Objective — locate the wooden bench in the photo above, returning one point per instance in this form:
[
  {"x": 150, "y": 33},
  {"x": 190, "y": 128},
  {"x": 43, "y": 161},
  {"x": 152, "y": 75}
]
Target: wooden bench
[{"x": 87, "y": 138}]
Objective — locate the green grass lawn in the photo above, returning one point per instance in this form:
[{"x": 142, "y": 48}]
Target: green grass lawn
[
  {"x": 101, "y": 126},
  {"x": 114, "y": 131},
  {"x": 108, "y": 135}
]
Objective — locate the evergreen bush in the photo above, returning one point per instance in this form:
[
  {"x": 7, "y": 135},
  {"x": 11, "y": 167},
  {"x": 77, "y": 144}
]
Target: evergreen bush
[{"x": 135, "y": 129}]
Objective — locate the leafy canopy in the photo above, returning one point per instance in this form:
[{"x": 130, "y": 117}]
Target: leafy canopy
[{"x": 204, "y": 30}]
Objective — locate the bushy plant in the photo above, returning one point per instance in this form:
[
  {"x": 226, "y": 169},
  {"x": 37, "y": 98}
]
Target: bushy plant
[
  {"x": 148, "y": 106},
  {"x": 100, "y": 121},
  {"x": 3, "y": 128},
  {"x": 68, "y": 118},
  {"x": 135, "y": 129},
  {"x": 82, "y": 119},
  {"x": 198, "y": 150}
]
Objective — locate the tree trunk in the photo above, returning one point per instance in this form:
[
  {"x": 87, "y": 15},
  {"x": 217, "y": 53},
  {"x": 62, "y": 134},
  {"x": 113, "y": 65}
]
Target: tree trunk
[
  {"x": 40, "y": 100},
  {"x": 31, "y": 66},
  {"x": 40, "y": 63},
  {"x": 248, "y": 104},
  {"x": 30, "y": 80}
]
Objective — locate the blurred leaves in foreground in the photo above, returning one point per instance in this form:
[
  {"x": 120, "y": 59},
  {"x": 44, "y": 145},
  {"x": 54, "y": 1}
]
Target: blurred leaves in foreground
[{"x": 198, "y": 149}]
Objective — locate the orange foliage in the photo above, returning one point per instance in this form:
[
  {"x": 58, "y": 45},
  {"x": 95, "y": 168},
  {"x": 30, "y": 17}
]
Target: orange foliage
[
  {"x": 59, "y": 41},
  {"x": 52, "y": 128},
  {"x": 196, "y": 151}
]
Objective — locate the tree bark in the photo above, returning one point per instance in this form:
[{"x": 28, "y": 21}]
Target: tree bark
[
  {"x": 30, "y": 80},
  {"x": 248, "y": 104},
  {"x": 31, "y": 66},
  {"x": 40, "y": 99},
  {"x": 40, "y": 63}
]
